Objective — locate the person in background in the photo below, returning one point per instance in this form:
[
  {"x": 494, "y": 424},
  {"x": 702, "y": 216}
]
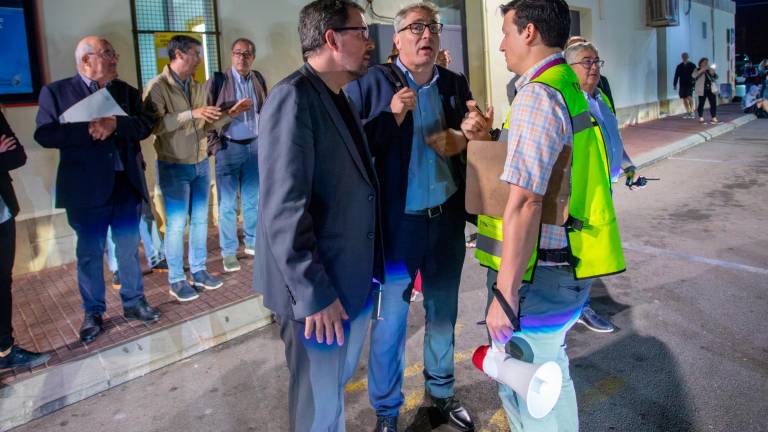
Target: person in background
[
  {"x": 604, "y": 85},
  {"x": 177, "y": 105},
  {"x": 110, "y": 195},
  {"x": 12, "y": 156},
  {"x": 683, "y": 76},
  {"x": 753, "y": 104},
  {"x": 235, "y": 148},
  {"x": 443, "y": 58},
  {"x": 150, "y": 240},
  {"x": 705, "y": 79}
]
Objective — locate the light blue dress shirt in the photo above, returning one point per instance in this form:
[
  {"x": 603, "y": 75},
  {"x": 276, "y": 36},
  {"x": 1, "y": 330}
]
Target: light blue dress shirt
[
  {"x": 430, "y": 179},
  {"x": 5, "y": 212},
  {"x": 609, "y": 126},
  {"x": 246, "y": 125}
]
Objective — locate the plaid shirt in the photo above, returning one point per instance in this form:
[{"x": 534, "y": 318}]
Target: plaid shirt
[{"x": 539, "y": 128}]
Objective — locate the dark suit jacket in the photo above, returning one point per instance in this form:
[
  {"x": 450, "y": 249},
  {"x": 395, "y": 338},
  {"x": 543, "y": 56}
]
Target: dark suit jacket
[
  {"x": 86, "y": 173},
  {"x": 9, "y": 160},
  {"x": 391, "y": 144},
  {"x": 317, "y": 224},
  {"x": 226, "y": 98}
]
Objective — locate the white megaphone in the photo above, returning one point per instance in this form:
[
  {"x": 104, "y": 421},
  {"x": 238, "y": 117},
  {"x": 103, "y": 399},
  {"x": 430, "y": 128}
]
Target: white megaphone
[{"x": 538, "y": 383}]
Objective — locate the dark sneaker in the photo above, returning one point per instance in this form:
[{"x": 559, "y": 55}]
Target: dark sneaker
[
  {"x": 183, "y": 292},
  {"x": 203, "y": 279},
  {"x": 231, "y": 264},
  {"x": 20, "y": 358},
  {"x": 590, "y": 319},
  {"x": 160, "y": 266},
  {"x": 116, "y": 280},
  {"x": 93, "y": 324},
  {"x": 454, "y": 413},
  {"x": 386, "y": 424}
]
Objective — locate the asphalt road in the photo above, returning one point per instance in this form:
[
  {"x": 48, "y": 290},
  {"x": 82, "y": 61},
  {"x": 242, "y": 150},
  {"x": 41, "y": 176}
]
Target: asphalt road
[{"x": 690, "y": 353}]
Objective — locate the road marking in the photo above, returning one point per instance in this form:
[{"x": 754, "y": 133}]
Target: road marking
[
  {"x": 497, "y": 423},
  {"x": 602, "y": 390},
  {"x": 696, "y": 160},
  {"x": 694, "y": 258}
]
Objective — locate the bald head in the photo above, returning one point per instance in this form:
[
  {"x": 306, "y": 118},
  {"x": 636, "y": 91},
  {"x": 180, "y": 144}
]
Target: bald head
[{"x": 96, "y": 59}]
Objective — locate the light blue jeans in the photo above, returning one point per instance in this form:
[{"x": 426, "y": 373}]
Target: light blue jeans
[
  {"x": 237, "y": 170},
  {"x": 150, "y": 239},
  {"x": 549, "y": 307},
  {"x": 185, "y": 188}
]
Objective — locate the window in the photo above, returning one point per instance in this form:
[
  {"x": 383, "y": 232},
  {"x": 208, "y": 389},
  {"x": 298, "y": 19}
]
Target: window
[{"x": 154, "y": 21}]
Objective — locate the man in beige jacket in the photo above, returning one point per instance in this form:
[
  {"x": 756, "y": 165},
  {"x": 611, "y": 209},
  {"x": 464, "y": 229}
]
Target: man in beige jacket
[{"x": 178, "y": 104}]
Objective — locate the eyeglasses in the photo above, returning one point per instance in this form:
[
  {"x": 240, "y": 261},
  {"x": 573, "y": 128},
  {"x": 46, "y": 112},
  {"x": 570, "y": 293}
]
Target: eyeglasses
[
  {"x": 417, "y": 28},
  {"x": 106, "y": 55},
  {"x": 363, "y": 30},
  {"x": 587, "y": 64},
  {"x": 243, "y": 54}
]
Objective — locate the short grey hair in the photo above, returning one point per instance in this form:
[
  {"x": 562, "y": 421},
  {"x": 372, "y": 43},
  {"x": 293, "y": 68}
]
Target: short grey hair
[
  {"x": 82, "y": 49},
  {"x": 573, "y": 51},
  {"x": 428, "y": 6}
]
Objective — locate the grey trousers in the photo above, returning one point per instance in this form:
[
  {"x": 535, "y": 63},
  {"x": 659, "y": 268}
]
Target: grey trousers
[{"x": 319, "y": 372}]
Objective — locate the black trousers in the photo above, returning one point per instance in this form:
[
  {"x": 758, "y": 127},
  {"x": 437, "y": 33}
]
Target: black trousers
[
  {"x": 712, "y": 98},
  {"x": 7, "y": 255}
]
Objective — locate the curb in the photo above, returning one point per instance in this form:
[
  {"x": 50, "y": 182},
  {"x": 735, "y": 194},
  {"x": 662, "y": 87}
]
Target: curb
[
  {"x": 72, "y": 381},
  {"x": 656, "y": 155}
]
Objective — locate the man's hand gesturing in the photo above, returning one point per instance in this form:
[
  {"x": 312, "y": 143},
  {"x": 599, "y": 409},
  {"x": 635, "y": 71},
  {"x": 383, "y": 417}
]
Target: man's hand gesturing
[
  {"x": 326, "y": 323},
  {"x": 402, "y": 102}
]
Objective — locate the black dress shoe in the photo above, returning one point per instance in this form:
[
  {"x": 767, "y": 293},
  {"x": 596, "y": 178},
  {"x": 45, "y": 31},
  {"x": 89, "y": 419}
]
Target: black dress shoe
[
  {"x": 92, "y": 326},
  {"x": 454, "y": 413},
  {"x": 386, "y": 424},
  {"x": 142, "y": 311},
  {"x": 21, "y": 358}
]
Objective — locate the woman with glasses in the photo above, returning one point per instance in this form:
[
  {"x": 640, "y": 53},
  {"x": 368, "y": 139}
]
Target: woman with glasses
[{"x": 583, "y": 58}]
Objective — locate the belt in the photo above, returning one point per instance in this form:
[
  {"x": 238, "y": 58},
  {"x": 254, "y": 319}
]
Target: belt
[
  {"x": 434, "y": 212},
  {"x": 236, "y": 141}
]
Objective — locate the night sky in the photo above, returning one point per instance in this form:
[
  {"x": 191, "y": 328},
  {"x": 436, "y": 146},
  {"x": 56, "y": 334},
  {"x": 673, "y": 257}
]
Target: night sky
[{"x": 752, "y": 28}]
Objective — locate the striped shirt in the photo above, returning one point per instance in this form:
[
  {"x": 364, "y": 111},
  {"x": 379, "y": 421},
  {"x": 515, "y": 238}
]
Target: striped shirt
[{"x": 540, "y": 127}]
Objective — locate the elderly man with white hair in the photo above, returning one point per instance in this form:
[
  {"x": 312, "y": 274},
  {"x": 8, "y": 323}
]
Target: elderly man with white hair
[
  {"x": 585, "y": 61},
  {"x": 100, "y": 180}
]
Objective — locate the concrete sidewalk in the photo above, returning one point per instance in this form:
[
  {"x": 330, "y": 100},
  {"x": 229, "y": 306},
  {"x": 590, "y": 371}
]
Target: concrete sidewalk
[{"x": 130, "y": 351}]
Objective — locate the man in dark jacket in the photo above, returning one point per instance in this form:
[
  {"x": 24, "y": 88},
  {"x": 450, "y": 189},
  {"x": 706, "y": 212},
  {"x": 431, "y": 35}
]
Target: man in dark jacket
[
  {"x": 12, "y": 156},
  {"x": 99, "y": 182},
  {"x": 683, "y": 73},
  {"x": 412, "y": 110}
]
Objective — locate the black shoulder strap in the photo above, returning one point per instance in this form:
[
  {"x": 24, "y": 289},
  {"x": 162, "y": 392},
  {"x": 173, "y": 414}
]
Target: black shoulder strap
[
  {"x": 261, "y": 80},
  {"x": 394, "y": 75},
  {"x": 218, "y": 83}
]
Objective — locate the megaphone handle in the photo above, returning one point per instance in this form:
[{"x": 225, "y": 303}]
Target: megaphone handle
[{"x": 514, "y": 319}]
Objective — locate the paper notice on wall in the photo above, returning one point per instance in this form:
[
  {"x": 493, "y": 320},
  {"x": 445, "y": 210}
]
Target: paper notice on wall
[{"x": 99, "y": 104}]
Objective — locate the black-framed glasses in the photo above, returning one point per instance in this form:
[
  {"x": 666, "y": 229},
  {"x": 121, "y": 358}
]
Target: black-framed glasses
[
  {"x": 363, "y": 30},
  {"x": 587, "y": 64},
  {"x": 417, "y": 28}
]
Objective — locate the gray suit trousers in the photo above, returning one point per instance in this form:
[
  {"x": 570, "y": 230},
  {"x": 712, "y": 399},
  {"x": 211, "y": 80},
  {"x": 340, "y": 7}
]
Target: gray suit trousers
[{"x": 319, "y": 373}]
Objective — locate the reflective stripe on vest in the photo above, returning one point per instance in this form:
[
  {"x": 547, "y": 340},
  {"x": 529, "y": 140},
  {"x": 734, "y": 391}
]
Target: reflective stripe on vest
[{"x": 594, "y": 237}]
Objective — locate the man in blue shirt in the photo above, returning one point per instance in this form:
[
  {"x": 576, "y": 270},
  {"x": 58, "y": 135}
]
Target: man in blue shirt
[
  {"x": 235, "y": 147},
  {"x": 409, "y": 108}
]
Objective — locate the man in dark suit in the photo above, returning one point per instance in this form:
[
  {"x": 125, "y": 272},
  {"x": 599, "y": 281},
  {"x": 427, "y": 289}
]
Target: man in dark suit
[
  {"x": 12, "y": 156},
  {"x": 100, "y": 182},
  {"x": 317, "y": 237},
  {"x": 412, "y": 110}
]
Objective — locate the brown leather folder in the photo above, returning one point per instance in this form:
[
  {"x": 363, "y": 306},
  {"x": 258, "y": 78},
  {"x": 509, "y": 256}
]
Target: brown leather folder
[{"x": 486, "y": 194}]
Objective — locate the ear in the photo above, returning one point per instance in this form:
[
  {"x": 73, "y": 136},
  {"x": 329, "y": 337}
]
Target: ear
[
  {"x": 396, "y": 40},
  {"x": 530, "y": 33},
  {"x": 330, "y": 39}
]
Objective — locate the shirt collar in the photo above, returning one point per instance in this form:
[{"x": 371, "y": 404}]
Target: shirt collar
[
  {"x": 184, "y": 84},
  {"x": 526, "y": 77},
  {"x": 241, "y": 79},
  {"x": 409, "y": 75}
]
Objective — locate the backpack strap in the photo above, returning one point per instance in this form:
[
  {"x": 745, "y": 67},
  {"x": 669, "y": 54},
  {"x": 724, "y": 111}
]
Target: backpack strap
[{"x": 394, "y": 75}]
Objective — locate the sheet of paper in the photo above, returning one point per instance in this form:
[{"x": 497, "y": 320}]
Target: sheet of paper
[{"x": 99, "y": 104}]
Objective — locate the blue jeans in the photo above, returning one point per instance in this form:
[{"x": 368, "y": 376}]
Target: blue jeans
[
  {"x": 237, "y": 170},
  {"x": 150, "y": 239},
  {"x": 185, "y": 189},
  {"x": 436, "y": 248},
  {"x": 549, "y": 307},
  {"x": 121, "y": 214}
]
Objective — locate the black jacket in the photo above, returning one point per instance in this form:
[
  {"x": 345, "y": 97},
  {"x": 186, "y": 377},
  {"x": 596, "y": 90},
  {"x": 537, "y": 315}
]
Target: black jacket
[
  {"x": 86, "y": 173},
  {"x": 9, "y": 160}
]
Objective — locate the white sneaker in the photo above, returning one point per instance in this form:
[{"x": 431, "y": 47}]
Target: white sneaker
[
  {"x": 416, "y": 296},
  {"x": 249, "y": 251}
]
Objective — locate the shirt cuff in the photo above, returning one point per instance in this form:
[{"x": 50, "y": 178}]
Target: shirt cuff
[{"x": 524, "y": 181}]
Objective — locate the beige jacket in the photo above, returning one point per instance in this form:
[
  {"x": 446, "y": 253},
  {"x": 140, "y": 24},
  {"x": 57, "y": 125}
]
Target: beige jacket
[{"x": 178, "y": 137}]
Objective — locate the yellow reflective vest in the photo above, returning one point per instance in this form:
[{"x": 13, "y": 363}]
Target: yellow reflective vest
[{"x": 594, "y": 244}]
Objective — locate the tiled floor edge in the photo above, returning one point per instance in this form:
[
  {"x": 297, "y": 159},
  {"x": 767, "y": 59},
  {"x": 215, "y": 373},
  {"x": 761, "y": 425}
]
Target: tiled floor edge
[
  {"x": 47, "y": 391},
  {"x": 656, "y": 155}
]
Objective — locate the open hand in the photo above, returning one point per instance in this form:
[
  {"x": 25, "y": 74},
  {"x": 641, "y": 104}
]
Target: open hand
[
  {"x": 240, "y": 107},
  {"x": 207, "y": 113},
  {"x": 447, "y": 143},
  {"x": 326, "y": 323}
]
